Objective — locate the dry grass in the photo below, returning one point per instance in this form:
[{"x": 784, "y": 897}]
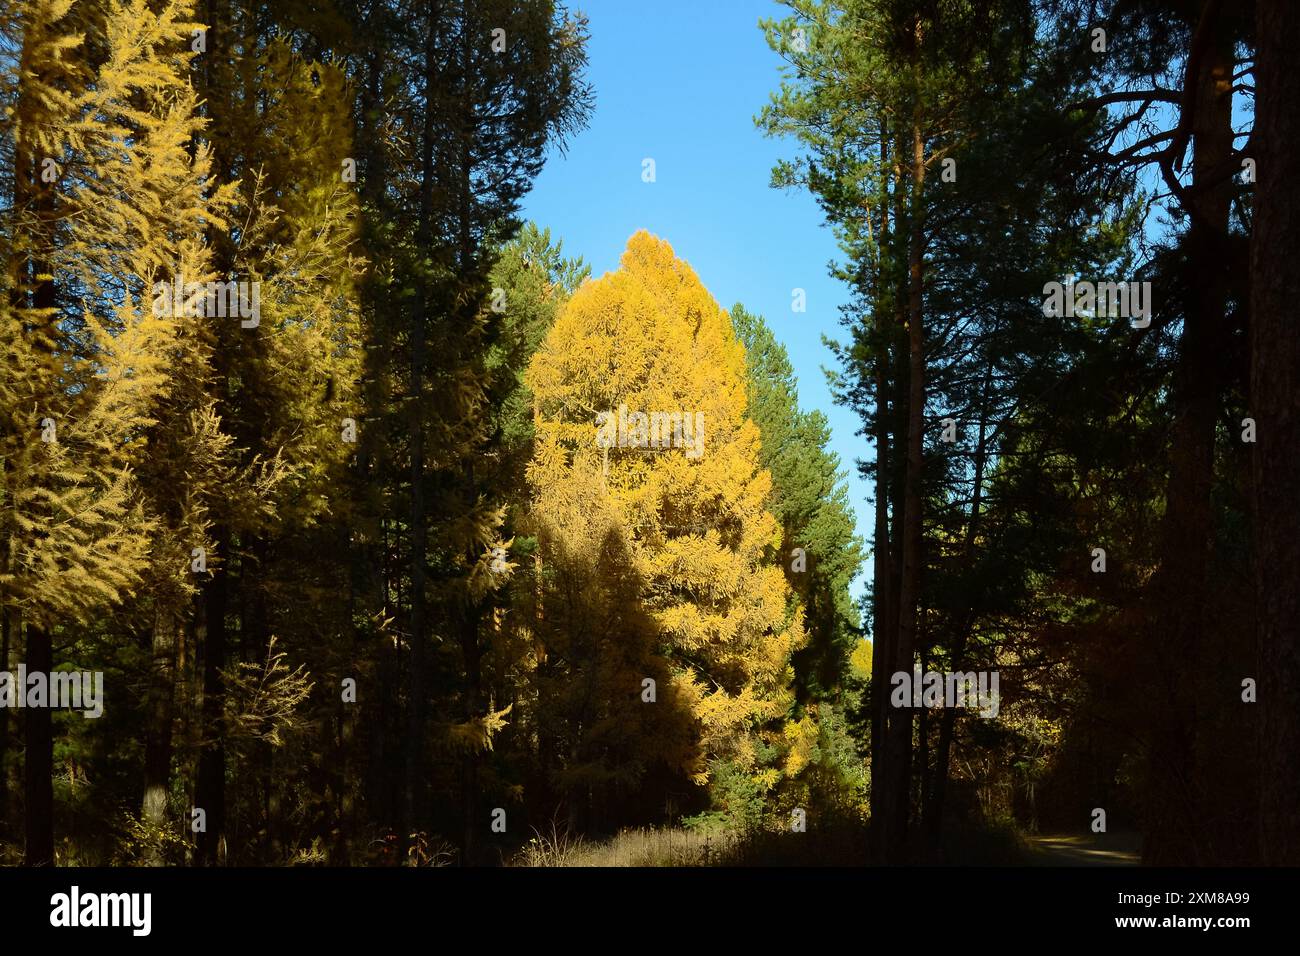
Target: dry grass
[{"x": 638, "y": 847}]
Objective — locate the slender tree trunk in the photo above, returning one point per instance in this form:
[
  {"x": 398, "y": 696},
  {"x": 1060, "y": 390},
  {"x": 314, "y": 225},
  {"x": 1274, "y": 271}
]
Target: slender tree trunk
[
  {"x": 885, "y": 782},
  {"x": 883, "y": 621},
  {"x": 218, "y": 84},
  {"x": 418, "y": 530},
  {"x": 418, "y": 535},
  {"x": 473, "y": 654},
  {"x": 210, "y": 787},
  {"x": 922, "y": 759},
  {"x": 900, "y": 733},
  {"x": 158, "y": 734},
  {"x": 882, "y": 644},
  {"x": 6, "y": 624},
  {"x": 345, "y": 776},
  {"x": 39, "y": 765},
  {"x": 1275, "y": 403},
  {"x": 35, "y": 273},
  {"x": 472, "y": 611},
  {"x": 372, "y": 557}
]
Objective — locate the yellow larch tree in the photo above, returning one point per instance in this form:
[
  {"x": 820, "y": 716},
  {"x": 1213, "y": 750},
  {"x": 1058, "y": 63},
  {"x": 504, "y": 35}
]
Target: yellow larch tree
[
  {"x": 108, "y": 197},
  {"x": 640, "y": 386}
]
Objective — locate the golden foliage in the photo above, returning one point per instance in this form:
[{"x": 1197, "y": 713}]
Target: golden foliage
[{"x": 650, "y": 338}]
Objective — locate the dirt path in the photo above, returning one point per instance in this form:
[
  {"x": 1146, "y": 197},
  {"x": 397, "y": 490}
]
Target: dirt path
[{"x": 1087, "y": 849}]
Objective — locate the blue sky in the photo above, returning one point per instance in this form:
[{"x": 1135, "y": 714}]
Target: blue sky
[{"x": 680, "y": 83}]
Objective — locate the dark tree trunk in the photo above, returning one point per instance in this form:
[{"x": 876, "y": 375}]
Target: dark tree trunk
[
  {"x": 883, "y": 620},
  {"x": 158, "y": 734},
  {"x": 473, "y": 655},
  {"x": 882, "y": 643},
  {"x": 372, "y": 559},
  {"x": 923, "y": 720},
  {"x": 6, "y": 623},
  {"x": 1275, "y": 402},
  {"x": 884, "y": 779},
  {"x": 900, "y": 731},
  {"x": 39, "y": 765},
  {"x": 210, "y": 787},
  {"x": 472, "y": 649},
  {"x": 1175, "y": 816},
  {"x": 418, "y": 532},
  {"x": 35, "y": 273}
]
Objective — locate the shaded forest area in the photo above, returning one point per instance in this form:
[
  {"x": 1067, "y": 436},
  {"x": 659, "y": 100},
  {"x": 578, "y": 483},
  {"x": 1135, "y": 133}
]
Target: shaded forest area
[{"x": 378, "y": 531}]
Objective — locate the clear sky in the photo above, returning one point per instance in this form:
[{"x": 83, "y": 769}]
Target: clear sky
[{"x": 680, "y": 82}]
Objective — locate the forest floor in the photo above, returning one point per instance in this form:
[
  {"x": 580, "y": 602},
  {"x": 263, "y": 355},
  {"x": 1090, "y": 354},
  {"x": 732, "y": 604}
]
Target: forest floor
[{"x": 963, "y": 846}]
